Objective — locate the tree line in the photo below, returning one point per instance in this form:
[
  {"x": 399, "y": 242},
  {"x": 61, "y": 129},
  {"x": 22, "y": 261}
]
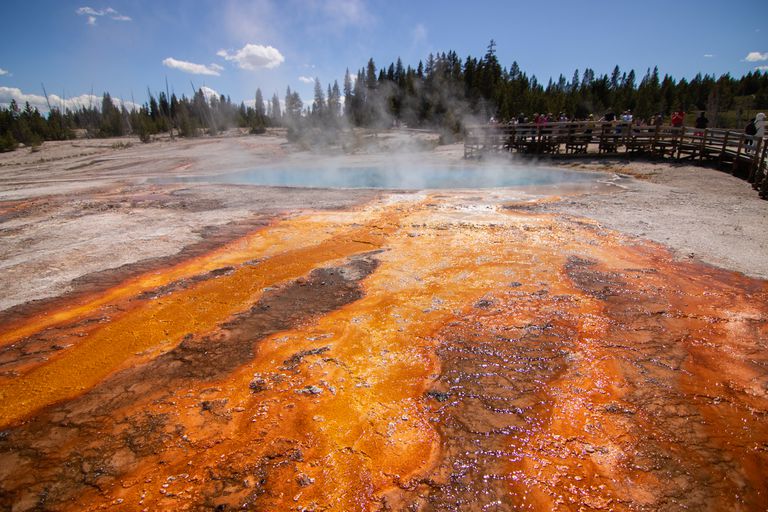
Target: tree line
[{"x": 443, "y": 92}]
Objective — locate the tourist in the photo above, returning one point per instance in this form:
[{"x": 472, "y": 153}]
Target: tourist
[
  {"x": 627, "y": 116},
  {"x": 701, "y": 123},
  {"x": 589, "y": 128},
  {"x": 678, "y": 118},
  {"x": 658, "y": 119},
  {"x": 760, "y": 125},
  {"x": 751, "y": 130},
  {"x": 755, "y": 128}
]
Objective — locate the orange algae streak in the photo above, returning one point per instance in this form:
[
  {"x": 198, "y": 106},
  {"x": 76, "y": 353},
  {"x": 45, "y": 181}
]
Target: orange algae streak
[
  {"x": 372, "y": 432},
  {"x": 260, "y": 244},
  {"x": 162, "y": 323},
  {"x": 582, "y": 371},
  {"x": 354, "y": 403},
  {"x": 658, "y": 397}
]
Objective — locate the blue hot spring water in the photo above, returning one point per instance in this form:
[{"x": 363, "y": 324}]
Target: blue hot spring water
[{"x": 402, "y": 178}]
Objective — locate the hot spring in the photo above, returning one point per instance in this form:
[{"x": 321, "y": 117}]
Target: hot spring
[{"x": 397, "y": 177}]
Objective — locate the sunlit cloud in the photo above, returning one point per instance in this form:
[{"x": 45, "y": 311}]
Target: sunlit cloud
[
  {"x": 4, "y": 72},
  {"x": 72, "y": 103},
  {"x": 254, "y": 56},
  {"x": 191, "y": 67},
  {"x": 92, "y": 14},
  {"x": 756, "y": 57},
  {"x": 306, "y": 79},
  {"x": 209, "y": 93},
  {"x": 708, "y": 55}
]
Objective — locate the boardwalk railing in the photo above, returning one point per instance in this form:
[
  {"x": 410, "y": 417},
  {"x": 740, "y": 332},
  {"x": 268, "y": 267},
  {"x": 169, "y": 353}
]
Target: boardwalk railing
[{"x": 740, "y": 154}]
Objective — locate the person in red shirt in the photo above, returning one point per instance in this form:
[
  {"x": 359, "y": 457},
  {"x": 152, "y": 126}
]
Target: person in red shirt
[{"x": 678, "y": 118}]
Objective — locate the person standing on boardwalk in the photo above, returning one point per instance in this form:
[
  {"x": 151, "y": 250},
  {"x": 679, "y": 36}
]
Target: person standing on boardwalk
[
  {"x": 750, "y": 131},
  {"x": 678, "y": 118},
  {"x": 701, "y": 123},
  {"x": 756, "y": 129}
]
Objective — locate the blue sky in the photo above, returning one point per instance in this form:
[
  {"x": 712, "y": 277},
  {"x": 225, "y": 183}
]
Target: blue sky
[{"x": 234, "y": 46}]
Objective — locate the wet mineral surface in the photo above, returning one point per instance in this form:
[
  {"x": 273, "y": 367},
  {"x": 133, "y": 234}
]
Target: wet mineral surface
[{"x": 421, "y": 352}]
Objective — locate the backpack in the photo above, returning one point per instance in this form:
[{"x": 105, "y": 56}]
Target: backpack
[{"x": 751, "y": 129}]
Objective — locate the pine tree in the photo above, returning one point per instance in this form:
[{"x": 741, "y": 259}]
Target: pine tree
[
  {"x": 258, "y": 106},
  {"x": 347, "y": 95},
  {"x": 319, "y": 107},
  {"x": 370, "y": 75},
  {"x": 334, "y": 100},
  {"x": 277, "y": 115}
]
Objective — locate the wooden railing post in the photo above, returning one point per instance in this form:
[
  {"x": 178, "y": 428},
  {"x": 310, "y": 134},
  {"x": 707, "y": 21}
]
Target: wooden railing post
[
  {"x": 738, "y": 154},
  {"x": 538, "y": 139},
  {"x": 762, "y": 167},
  {"x": 753, "y": 163},
  {"x": 761, "y": 164},
  {"x": 725, "y": 145}
]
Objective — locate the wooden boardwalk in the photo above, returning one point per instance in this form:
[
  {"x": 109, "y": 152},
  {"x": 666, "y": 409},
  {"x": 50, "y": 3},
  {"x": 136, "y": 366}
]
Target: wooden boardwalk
[{"x": 733, "y": 151}]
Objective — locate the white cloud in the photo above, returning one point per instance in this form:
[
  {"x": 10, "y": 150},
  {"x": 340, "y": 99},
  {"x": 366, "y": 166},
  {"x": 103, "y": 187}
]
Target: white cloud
[
  {"x": 88, "y": 10},
  {"x": 92, "y": 14},
  {"x": 708, "y": 55},
  {"x": 254, "y": 56},
  {"x": 4, "y": 72},
  {"x": 191, "y": 67},
  {"x": 756, "y": 56},
  {"x": 37, "y": 101},
  {"x": 306, "y": 79},
  {"x": 210, "y": 93},
  {"x": 761, "y": 68},
  {"x": 12, "y": 93},
  {"x": 116, "y": 15}
]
